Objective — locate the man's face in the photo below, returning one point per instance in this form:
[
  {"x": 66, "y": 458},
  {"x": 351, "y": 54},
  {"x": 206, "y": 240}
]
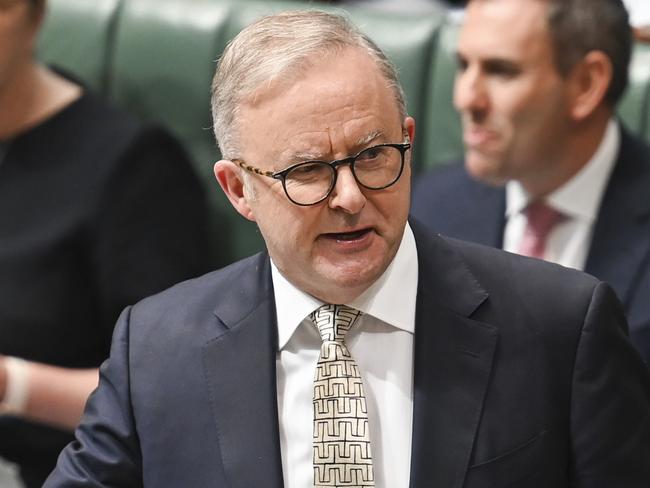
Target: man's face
[
  {"x": 512, "y": 100},
  {"x": 335, "y": 249}
]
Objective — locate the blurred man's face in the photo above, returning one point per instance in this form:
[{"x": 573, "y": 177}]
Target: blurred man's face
[
  {"x": 335, "y": 249},
  {"x": 512, "y": 100}
]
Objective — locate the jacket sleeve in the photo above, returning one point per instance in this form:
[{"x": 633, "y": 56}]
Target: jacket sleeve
[
  {"x": 610, "y": 402},
  {"x": 106, "y": 450}
]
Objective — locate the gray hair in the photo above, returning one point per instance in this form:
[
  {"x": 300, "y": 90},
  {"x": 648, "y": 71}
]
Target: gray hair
[
  {"x": 580, "y": 26},
  {"x": 277, "y": 48}
]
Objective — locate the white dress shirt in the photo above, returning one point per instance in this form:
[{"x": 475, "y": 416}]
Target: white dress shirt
[
  {"x": 578, "y": 199},
  {"x": 381, "y": 343}
]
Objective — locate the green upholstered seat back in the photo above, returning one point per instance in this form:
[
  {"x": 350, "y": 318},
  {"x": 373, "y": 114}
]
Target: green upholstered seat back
[
  {"x": 78, "y": 37},
  {"x": 443, "y": 140},
  {"x": 163, "y": 61},
  {"x": 634, "y": 107}
]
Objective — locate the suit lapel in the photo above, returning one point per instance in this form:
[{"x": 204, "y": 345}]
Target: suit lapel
[
  {"x": 621, "y": 239},
  {"x": 239, "y": 367},
  {"x": 452, "y": 363}
]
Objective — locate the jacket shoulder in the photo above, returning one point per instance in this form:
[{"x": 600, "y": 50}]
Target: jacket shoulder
[
  {"x": 192, "y": 303},
  {"x": 500, "y": 269}
]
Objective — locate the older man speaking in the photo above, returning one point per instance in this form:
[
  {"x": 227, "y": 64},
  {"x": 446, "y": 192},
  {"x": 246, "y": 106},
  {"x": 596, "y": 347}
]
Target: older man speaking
[{"x": 359, "y": 350}]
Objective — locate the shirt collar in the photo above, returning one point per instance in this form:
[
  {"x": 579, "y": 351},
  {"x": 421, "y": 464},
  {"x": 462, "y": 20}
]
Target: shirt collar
[
  {"x": 397, "y": 285},
  {"x": 579, "y": 197}
]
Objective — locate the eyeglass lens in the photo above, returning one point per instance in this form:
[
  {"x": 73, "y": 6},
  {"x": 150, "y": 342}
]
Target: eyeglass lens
[{"x": 374, "y": 168}]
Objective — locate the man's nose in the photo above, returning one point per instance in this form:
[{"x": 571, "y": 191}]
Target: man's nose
[
  {"x": 346, "y": 194},
  {"x": 470, "y": 94}
]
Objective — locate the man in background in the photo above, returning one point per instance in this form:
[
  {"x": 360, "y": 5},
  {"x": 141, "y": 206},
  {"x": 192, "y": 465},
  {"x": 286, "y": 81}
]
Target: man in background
[{"x": 549, "y": 171}]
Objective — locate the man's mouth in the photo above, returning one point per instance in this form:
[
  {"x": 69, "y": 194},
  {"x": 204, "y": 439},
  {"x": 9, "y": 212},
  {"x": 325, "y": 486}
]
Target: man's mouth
[
  {"x": 473, "y": 137},
  {"x": 348, "y": 236}
]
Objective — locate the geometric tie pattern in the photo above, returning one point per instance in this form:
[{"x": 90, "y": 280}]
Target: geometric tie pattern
[
  {"x": 342, "y": 456},
  {"x": 540, "y": 220}
]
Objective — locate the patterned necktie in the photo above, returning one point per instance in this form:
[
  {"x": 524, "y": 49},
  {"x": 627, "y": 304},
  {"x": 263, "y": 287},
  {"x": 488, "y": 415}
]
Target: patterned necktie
[
  {"x": 541, "y": 219},
  {"x": 342, "y": 456}
]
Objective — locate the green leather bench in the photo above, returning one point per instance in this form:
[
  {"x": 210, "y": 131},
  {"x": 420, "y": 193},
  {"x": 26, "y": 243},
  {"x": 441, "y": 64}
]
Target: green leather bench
[{"x": 157, "y": 57}]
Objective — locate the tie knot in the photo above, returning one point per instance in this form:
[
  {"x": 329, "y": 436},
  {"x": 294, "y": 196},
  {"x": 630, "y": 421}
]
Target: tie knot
[
  {"x": 334, "y": 321},
  {"x": 542, "y": 218}
]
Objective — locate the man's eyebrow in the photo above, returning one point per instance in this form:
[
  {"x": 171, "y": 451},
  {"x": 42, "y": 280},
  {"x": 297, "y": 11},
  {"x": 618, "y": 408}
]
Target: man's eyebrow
[
  {"x": 298, "y": 157},
  {"x": 493, "y": 64},
  {"x": 501, "y": 65},
  {"x": 368, "y": 138}
]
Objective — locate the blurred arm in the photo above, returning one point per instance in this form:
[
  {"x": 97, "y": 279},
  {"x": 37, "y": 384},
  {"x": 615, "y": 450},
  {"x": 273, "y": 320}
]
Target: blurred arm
[{"x": 54, "y": 395}]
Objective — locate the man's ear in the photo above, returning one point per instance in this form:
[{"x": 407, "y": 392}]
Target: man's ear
[
  {"x": 409, "y": 125},
  {"x": 589, "y": 80},
  {"x": 228, "y": 174}
]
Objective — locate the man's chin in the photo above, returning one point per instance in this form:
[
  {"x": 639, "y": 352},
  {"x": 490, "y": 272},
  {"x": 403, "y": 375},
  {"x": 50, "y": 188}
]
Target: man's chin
[
  {"x": 486, "y": 170},
  {"x": 346, "y": 281}
]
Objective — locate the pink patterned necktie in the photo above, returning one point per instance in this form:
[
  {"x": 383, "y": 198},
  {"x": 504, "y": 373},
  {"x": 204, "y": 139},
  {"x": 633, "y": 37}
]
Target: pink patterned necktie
[
  {"x": 342, "y": 456},
  {"x": 541, "y": 219}
]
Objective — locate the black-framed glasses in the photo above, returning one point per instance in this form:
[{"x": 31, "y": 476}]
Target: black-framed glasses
[{"x": 311, "y": 182}]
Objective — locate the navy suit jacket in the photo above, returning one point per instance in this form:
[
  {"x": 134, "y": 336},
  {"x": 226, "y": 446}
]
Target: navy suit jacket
[
  {"x": 523, "y": 377},
  {"x": 450, "y": 202}
]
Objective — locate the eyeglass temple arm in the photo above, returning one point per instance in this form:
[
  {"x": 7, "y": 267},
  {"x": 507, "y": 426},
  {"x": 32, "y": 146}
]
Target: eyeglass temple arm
[{"x": 253, "y": 169}]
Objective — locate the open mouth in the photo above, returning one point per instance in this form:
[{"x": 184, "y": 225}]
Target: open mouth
[{"x": 348, "y": 236}]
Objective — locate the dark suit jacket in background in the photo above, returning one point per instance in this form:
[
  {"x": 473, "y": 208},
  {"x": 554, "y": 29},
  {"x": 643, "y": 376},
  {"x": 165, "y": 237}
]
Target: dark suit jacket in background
[
  {"x": 453, "y": 204},
  {"x": 523, "y": 377}
]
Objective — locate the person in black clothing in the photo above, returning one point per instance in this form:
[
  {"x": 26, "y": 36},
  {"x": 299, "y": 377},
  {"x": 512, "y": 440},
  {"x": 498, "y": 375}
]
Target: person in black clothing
[{"x": 97, "y": 211}]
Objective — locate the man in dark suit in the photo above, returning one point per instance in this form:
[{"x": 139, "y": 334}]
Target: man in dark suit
[
  {"x": 463, "y": 366},
  {"x": 537, "y": 103}
]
